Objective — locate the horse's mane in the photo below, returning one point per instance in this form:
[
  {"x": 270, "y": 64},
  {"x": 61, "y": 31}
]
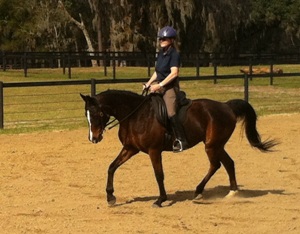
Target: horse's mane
[
  {"x": 122, "y": 93},
  {"x": 120, "y": 97}
]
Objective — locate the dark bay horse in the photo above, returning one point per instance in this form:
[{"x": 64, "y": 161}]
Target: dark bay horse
[{"x": 206, "y": 121}]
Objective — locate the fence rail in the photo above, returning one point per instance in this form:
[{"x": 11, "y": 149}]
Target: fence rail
[
  {"x": 67, "y": 60},
  {"x": 92, "y": 83}
]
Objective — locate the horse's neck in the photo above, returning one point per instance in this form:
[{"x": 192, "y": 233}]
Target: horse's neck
[
  {"x": 121, "y": 107},
  {"x": 120, "y": 111}
]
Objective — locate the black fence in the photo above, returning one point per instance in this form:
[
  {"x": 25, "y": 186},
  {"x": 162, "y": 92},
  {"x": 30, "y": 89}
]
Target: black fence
[
  {"x": 93, "y": 83},
  {"x": 67, "y": 60}
]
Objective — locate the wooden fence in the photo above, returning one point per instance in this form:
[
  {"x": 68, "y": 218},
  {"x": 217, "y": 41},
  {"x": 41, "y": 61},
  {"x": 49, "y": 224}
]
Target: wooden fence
[
  {"x": 93, "y": 82},
  {"x": 67, "y": 60}
]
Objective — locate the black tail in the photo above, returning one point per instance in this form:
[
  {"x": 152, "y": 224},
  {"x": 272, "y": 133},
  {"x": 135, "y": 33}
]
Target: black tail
[{"x": 245, "y": 112}]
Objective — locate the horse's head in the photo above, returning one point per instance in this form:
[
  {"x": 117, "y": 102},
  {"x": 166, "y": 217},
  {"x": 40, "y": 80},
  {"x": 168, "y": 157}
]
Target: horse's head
[{"x": 96, "y": 117}]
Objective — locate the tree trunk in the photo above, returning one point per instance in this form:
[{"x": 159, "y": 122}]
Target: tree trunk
[{"x": 82, "y": 27}]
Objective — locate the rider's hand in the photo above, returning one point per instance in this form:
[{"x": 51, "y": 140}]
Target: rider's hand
[
  {"x": 145, "y": 86},
  {"x": 154, "y": 88}
]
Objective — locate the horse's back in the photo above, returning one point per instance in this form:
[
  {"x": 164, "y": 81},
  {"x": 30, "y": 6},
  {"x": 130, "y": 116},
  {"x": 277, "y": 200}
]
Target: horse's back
[
  {"x": 211, "y": 108},
  {"x": 209, "y": 120}
]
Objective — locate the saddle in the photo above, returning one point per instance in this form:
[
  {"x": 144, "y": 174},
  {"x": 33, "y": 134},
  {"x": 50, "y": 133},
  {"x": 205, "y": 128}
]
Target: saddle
[{"x": 160, "y": 109}]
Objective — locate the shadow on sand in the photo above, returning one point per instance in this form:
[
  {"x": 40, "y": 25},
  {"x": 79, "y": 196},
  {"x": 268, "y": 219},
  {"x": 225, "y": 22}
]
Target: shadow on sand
[{"x": 209, "y": 195}]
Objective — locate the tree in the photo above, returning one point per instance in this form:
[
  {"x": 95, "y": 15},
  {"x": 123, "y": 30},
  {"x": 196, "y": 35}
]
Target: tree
[
  {"x": 96, "y": 6},
  {"x": 225, "y": 26},
  {"x": 16, "y": 25},
  {"x": 80, "y": 24},
  {"x": 276, "y": 24}
]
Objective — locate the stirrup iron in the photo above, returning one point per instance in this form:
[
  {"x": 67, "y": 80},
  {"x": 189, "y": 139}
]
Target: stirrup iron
[{"x": 177, "y": 146}]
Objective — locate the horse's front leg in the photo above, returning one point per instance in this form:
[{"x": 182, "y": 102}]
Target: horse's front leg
[
  {"x": 159, "y": 175},
  {"x": 124, "y": 155}
]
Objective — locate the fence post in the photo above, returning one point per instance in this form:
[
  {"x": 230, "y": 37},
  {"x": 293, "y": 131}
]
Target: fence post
[
  {"x": 215, "y": 73},
  {"x": 105, "y": 63},
  {"x": 93, "y": 87},
  {"x": 246, "y": 88},
  {"x": 3, "y": 61},
  {"x": 197, "y": 66},
  {"x": 69, "y": 65},
  {"x": 64, "y": 63},
  {"x": 271, "y": 73},
  {"x": 149, "y": 65},
  {"x": 250, "y": 69},
  {"x": 25, "y": 64},
  {"x": 1, "y": 106},
  {"x": 114, "y": 66}
]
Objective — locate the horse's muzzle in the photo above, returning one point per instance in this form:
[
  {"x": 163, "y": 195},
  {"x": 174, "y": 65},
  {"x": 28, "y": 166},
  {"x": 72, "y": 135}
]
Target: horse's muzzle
[{"x": 96, "y": 140}]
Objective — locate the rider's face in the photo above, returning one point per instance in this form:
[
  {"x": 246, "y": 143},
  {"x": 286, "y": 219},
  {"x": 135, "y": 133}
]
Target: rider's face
[{"x": 165, "y": 42}]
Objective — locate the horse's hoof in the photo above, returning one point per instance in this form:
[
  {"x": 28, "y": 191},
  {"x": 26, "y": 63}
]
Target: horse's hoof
[
  {"x": 232, "y": 193},
  {"x": 112, "y": 201},
  {"x": 198, "y": 198},
  {"x": 155, "y": 205}
]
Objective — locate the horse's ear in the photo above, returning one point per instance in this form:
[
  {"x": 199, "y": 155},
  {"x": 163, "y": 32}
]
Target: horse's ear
[
  {"x": 85, "y": 98},
  {"x": 89, "y": 100}
]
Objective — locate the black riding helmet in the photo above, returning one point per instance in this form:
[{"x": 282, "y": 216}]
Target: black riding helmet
[{"x": 167, "y": 32}]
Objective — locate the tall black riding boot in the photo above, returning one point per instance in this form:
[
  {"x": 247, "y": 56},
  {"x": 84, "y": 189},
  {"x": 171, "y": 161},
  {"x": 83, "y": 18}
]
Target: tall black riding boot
[{"x": 180, "y": 142}]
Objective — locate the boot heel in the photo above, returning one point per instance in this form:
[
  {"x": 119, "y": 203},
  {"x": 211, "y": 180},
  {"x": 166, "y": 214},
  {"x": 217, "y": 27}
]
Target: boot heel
[{"x": 180, "y": 143}]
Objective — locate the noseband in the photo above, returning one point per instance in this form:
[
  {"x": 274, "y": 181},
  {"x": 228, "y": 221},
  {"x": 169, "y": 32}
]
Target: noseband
[{"x": 102, "y": 123}]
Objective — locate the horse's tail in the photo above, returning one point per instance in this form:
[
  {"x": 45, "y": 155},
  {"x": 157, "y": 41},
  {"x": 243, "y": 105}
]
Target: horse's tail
[{"x": 244, "y": 111}]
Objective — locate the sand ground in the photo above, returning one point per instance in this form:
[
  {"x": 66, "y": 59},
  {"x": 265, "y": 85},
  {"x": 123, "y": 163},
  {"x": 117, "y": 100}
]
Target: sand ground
[{"x": 55, "y": 182}]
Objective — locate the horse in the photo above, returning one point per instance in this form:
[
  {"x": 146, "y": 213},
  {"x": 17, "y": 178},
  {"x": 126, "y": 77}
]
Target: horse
[{"x": 207, "y": 121}]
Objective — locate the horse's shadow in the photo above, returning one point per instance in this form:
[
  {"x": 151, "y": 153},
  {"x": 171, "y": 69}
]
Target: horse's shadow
[{"x": 209, "y": 195}]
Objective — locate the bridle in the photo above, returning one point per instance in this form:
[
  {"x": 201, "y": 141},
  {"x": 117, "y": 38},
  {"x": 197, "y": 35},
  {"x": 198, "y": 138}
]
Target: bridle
[{"x": 102, "y": 123}]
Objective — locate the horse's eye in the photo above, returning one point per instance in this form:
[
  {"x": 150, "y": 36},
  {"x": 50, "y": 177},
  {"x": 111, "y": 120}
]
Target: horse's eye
[{"x": 101, "y": 114}]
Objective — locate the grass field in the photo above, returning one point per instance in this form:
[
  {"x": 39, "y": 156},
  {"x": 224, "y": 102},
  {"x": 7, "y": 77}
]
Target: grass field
[{"x": 60, "y": 107}]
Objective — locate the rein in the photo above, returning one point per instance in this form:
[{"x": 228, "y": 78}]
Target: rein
[{"x": 144, "y": 93}]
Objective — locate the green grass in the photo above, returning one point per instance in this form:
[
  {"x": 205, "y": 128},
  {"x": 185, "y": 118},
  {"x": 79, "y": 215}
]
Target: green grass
[
  {"x": 60, "y": 107},
  {"x": 121, "y": 73},
  {"x": 76, "y": 73}
]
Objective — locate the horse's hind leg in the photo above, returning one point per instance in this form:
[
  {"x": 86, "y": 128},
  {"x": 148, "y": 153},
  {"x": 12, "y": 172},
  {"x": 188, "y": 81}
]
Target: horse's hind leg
[
  {"x": 214, "y": 166},
  {"x": 216, "y": 157}
]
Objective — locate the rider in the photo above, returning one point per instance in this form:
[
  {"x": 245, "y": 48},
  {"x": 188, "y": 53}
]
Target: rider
[{"x": 165, "y": 81}]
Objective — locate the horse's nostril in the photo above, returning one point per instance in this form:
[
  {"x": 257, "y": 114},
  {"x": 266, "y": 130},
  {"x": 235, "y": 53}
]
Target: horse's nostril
[{"x": 95, "y": 140}]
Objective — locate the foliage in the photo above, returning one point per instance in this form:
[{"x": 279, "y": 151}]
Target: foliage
[
  {"x": 32, "y": 26},
  {"x": 233, "y": 26},
  {"x": 276, "y": 21}
]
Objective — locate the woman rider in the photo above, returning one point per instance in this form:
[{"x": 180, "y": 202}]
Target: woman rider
[{"x": 165, "y": 81}]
